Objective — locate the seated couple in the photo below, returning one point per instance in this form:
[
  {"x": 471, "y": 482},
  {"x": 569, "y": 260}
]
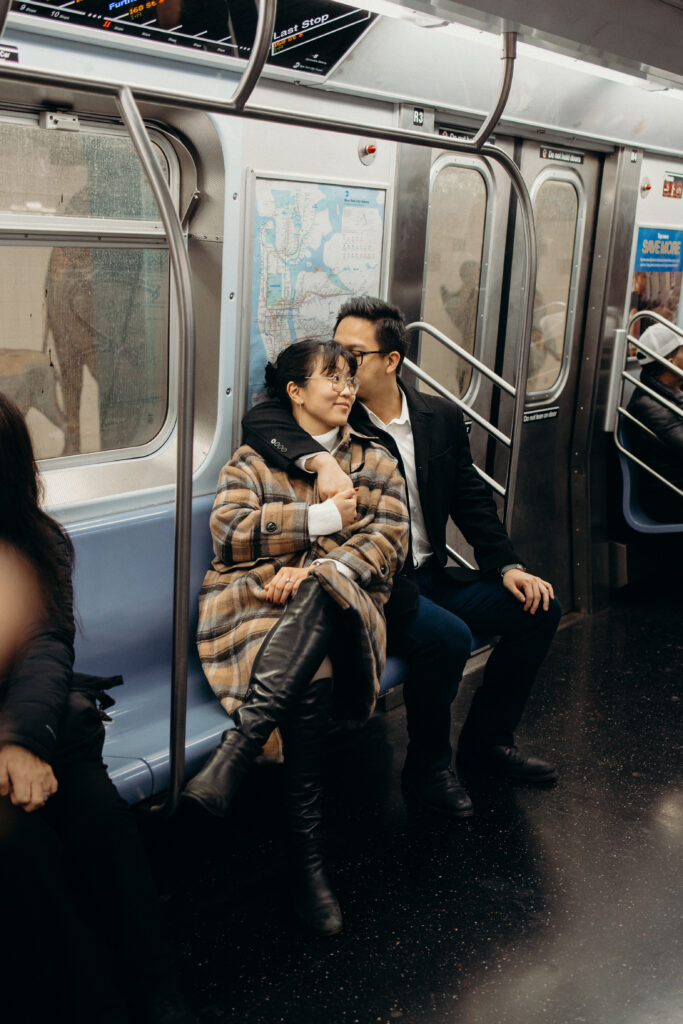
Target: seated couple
[{"x": 292, "y": 611}]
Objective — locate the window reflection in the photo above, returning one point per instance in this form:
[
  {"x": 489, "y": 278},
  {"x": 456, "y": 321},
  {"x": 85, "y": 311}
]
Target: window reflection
[
  {"x": 85, "y": 353},
  {"x": 555, "y": 213},
  {"x": 453, "y": 272},
  {"x": 44, "y": 172}
]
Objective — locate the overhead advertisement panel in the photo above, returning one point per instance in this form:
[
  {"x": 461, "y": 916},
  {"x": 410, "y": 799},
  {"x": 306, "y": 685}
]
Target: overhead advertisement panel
[{"x": 310, "y": 35}]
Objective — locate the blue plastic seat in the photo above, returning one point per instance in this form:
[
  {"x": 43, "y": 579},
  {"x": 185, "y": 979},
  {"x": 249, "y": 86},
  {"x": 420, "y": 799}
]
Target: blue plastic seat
[
  {"x": 633, "y": 511},
  {"x": 123, "y": 586}
]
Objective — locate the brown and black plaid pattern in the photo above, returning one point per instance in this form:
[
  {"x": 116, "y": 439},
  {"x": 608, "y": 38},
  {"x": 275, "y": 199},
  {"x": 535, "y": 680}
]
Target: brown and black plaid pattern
[{"x": 259, "y": 524}]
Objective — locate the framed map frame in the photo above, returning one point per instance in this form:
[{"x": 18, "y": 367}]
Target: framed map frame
[{"x": 310, "y": 246}]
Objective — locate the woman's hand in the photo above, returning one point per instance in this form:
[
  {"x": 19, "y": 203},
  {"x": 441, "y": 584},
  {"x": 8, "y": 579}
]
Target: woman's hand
[
  {"x": 285, "y": 584},
  {"x": 28, "y": 781},
  {"x": 346, "y": 503}
]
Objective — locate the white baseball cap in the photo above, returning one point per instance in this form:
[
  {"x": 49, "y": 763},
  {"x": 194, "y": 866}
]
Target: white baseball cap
[{"x": 660, "y": 339}]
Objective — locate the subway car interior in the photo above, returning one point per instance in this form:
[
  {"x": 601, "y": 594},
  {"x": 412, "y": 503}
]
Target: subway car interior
[{"x": 181, "y": 196}]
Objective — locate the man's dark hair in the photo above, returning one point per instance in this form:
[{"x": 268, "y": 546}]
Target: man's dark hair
[{"x": 389, "y": 321}]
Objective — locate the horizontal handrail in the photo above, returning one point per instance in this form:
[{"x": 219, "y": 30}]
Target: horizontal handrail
[{"x": 453, "y": 346}]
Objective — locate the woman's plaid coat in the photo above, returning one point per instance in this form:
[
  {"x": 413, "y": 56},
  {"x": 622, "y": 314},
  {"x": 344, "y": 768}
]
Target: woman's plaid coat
[{"x": 259, "y": 524}]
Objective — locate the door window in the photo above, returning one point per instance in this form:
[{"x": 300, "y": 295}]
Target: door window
[
  {"x": 453, "y": 271},
  {"x": 556, "y": 213}
]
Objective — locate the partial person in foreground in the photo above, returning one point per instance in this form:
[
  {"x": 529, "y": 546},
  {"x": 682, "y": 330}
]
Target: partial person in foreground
[
  {"x": 82, "y": 939},
  {"x": 434, "y": 610},
  {"x": 291, "y": 628},
  {"x": 661, "y": 445}
]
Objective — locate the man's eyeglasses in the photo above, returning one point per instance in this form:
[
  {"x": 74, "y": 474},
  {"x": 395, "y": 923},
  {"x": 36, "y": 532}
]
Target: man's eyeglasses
[
  {"x": 339, "y": 383},
  {"x": 360, "y": 356}
]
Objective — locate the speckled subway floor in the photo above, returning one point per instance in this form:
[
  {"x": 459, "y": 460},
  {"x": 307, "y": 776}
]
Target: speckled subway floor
[{"x": 559, "y": 906}]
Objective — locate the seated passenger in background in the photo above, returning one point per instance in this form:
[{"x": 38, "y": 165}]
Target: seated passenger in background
[
  {"x": 664, "y": 453},
  {"x": 291, "y": 627},
  {"x": 435, "y": 610},
  {"x": 81, "y": 938}
]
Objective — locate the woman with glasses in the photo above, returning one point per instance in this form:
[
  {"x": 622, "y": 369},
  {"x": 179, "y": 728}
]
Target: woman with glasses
[{"x": 291, "y": 628}]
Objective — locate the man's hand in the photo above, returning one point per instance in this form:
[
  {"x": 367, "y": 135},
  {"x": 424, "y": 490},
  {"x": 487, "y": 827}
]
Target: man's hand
[
  {"x": 331, "y": 477},
  {"x": 285, "y": 584},
  {"x": 346, "y": 503},
  {"x": 28, "y": 781},
  {"x": 529, "y": 589}
]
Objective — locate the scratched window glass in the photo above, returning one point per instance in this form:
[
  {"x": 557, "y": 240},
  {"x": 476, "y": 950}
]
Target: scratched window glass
[
  {"x": 556, "y": 208},
  {"x": 457, "y": 214},
  {"x": 84, "y": 350},
  {"x": 46, "y": 172}
]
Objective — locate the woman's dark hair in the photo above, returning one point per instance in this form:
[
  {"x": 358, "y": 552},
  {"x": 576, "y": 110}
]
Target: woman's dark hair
[
  {"x": 23, "y": 524},
  {"x": 297, "y": 362}
]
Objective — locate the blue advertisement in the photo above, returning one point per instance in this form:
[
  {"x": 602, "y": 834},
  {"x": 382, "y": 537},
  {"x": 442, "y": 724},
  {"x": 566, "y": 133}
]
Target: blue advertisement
[{"x": 659, "y": 249}]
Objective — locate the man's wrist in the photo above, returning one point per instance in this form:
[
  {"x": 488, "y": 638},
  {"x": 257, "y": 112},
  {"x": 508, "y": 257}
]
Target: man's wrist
[
  {"x": 312, "y": 463},
  {"x": 512, "y": 565}
]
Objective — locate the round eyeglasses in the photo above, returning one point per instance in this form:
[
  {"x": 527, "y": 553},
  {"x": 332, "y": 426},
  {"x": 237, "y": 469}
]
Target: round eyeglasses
[{"x": 338, "y": 383}]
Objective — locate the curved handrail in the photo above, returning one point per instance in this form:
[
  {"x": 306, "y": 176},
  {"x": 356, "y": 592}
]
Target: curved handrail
[
  {"x": 182, "y": 274},
  {"x": 509, "y": 56},
  {"x": 265, "y": 26}
]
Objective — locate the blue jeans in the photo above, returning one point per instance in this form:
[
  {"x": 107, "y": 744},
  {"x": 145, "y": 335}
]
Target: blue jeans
[{"x": 436, "y": 641}]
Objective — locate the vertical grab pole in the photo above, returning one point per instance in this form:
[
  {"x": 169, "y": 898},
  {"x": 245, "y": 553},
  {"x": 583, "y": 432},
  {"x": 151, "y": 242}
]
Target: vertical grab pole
[
  {"x": 527, "y": 212},
  {"x": 182, "y": 276}
]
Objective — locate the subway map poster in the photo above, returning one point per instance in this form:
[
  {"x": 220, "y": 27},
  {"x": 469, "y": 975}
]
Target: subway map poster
[{"x": 314, "y": 246}]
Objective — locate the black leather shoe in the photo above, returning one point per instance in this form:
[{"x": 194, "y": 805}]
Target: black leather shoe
[
  {"x": 439, "y": 791},
  {"x": 510, "y": 763}
]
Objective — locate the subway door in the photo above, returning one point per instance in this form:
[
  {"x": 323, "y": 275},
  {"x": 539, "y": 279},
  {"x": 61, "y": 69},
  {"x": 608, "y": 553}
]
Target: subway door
[
  {"x": 563, "y": 185},
  {"x": 464, "y": 215}
]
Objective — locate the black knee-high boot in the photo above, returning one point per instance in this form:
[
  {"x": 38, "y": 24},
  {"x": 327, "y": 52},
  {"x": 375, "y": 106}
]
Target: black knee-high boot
[
  {"x": 289, "y": 657},
  {"x": 304, "y": 733}
]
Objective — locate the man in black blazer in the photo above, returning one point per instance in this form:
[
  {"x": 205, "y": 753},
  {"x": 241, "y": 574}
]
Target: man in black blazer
[{"x": 434, "y": 611}]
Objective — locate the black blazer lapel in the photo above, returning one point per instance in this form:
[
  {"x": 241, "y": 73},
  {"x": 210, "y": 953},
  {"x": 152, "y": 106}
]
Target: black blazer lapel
[{"x": 421, "y": 425}]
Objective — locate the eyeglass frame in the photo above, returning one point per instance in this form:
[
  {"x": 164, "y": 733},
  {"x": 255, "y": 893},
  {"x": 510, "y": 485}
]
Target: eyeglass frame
[
  {"x": 360, "y": 356},
  {"x": 352, "y": 383}
]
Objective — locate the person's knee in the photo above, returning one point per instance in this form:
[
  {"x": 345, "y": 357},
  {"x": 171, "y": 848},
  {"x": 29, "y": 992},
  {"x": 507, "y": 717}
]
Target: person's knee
[{"x": 450, "y": 648}]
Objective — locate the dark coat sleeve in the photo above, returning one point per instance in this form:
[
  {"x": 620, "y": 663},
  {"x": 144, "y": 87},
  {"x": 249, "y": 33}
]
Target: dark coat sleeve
[
  {"x": 270, "y": 429},
  {"x": 473, "y": 509},
  {"x": 35, "y": 692}
]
